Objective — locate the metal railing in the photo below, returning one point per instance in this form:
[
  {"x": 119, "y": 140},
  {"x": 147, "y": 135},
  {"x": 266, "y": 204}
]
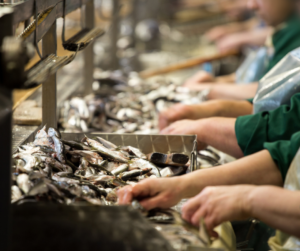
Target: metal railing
[{"x": 10, "y": 16}]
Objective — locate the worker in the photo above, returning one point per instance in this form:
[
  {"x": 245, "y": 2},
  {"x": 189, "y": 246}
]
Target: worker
[
  {"x": 230, "y": 126},
  {"x": 262, "y": 197},
  {"x": 286, "y": 37},
  {"x": 236, "y": 35}
]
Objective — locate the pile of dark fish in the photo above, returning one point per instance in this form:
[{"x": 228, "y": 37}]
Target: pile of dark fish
[
  {"x": 53, "y": 169},
  {"x": 123, "y": 106}
]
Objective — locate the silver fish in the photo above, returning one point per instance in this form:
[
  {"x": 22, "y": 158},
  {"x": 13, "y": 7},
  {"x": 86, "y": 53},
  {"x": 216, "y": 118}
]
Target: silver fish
[
  {"x": 16, "y": 193},
  {"x": 24, "y": 183},
  {"x": 106, "y": 152},
  {"x": 134, "y": 173},
  {"x": 121, "y": 169},
  {"x": 106, "y": 143},
  {"x": 141, "y": 163},
  {"x": 91, "y": 157},
  {"x": 58, "y": 145},
  {"x": 134, "y": 151}
]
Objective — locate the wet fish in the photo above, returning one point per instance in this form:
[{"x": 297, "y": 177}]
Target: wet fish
[
  {"x": 121, "y": 169},
  {"x": 141, "y": 163},
  {"x": 30, "y": 160},
  {"x": 134, "y": 173},
  {"x": 106, "y": 143},
  {"x": 101, "y": 167},
  {"x": 106, "y": 152},
  {"x": 91, "y": 157},
  {"x": 58, "y": 145},
  {"x": 134, "y": 151},
  {"x": 24, "y": 183},
  {"x": 76, "y": 145},
  {"x": 16, "y": 193}
]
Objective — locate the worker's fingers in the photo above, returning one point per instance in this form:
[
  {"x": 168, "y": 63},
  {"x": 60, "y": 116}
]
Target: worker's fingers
[
  {"x": 210, "y": 223},
  {"x": 125, "y": 195},
  {"x": 153, "y": 202},
  {"x": 189, "y": 208},
  {"x": 200, "y": 213},
  {"x": 167, "y": 130}
]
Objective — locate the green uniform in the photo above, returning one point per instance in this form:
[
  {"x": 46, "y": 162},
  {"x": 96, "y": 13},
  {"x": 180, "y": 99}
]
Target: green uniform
[
  {"x": 254, "y": 132},
  {"x": 285, "y": 40}
]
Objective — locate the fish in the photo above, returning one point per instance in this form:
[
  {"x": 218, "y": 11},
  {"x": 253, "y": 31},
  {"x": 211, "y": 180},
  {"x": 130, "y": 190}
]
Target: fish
[
  {"x": 106, "y": 152},
  {"x": 141, "y": 163},
  {"x": 136, "y": 152},
  {"x": 16, "y": 193},
  {"x": 101, "y": 167},
  {"x": 76, "y": 145},
  {"x": 24, "y": 183},
  {"x": 30, "y": 160},
  {"x": 106, "y": 143},
  {"x": 58, "y": 145},
  {"x": 121, "y": 169},
  {"x": 134, "y": 173},
  {"x": 91, "y": 156}
]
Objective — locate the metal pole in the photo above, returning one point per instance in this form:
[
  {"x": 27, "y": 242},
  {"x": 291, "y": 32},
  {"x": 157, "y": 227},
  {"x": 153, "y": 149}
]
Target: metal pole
[
  {"x": 88, "y": 53},
  {"x": 49, "y": 95},
  {"x": 6, "y": 28},
  {"x": 114, "y": 34}
]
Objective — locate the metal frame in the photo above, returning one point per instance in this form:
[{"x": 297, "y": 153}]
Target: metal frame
[{"x": 47, "y": 33}]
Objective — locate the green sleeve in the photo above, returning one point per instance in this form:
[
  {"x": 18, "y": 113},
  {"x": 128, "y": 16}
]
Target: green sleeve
[
  {"x": 250, "y": 100},
  {"x": 252, "y": 131},
  {"x": 283, "y": 152}
]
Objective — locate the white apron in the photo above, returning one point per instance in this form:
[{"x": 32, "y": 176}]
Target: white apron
[{"x": 282, "y": 241}]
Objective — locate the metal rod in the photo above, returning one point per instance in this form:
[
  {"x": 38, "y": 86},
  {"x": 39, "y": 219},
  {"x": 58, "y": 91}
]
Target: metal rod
[
  {"x": 25, "y": 10},
  {"x": 6, "y": 28},
  {"x": 49, "y": 97},
  {"x": 88, "y": 53},
  {"x": 114, "y": 34}
]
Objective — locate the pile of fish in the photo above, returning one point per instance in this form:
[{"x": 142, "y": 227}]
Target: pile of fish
[
  {"x": 53, "y": 169},
  {"x": 123, "y": 106}
]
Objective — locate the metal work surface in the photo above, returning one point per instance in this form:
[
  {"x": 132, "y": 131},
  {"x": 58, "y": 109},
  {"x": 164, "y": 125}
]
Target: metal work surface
[{"x": 60, "y": 227}]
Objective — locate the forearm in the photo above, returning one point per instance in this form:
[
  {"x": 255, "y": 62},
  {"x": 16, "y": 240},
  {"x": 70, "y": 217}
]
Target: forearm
[
  {"x": 228, "y": 79},
  {"x": 276, "y": 207},
  {"x": 236, "y": 92},
  {"x": 221, "y": 108},
  {"x": 248, "y": 170},
  {"x": 218, "y": 133}
]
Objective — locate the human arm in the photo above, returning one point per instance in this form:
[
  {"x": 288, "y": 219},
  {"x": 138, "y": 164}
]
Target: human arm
[
  {"x": 277, "y": 207},
  {"x": 213, "y": 108},
  {"x": 218, "y": 32},
  {"x": 216, "y": 132},
  {"x": 237, "y": 41},
  {"x": 225, "y": 91},
  {"x": 204, "y": 78},
  {"x": 167, "y": 192}
]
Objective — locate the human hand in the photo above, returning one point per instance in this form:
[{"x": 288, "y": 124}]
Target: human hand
[
  {"x": 217, "y": 205},
  {"x": 186, "y": 127},
  {"x": 175, "y": 113},
  {"x": 153, "y": 193},
  {"x": 198, "y": 79},
  {"x": 216, "y": 33}
]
